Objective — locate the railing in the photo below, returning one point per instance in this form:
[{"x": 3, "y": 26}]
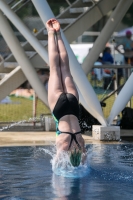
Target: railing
[
  {"x": 21, "y": 108},
  {"x": 111, "y": 89}
]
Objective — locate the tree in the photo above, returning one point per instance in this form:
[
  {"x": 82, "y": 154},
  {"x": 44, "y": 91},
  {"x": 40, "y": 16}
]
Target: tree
[{"x": 128, "y": 19}]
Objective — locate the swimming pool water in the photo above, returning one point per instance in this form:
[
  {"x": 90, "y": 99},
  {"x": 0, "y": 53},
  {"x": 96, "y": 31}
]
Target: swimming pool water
[{"x": 26, "y": 174}]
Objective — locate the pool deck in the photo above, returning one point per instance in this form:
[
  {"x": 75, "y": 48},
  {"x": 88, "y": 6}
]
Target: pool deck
[{"x": 46, "y": 138}]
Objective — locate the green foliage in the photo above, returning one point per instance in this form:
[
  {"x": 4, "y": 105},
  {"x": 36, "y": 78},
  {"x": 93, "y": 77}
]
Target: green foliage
[
  {"x": 128, "y": 19},
  {"x": 75, "y": 158}
]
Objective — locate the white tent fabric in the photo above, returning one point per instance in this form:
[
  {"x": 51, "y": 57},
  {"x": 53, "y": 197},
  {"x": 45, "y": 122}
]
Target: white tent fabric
[{"x": 123, "y": 32}]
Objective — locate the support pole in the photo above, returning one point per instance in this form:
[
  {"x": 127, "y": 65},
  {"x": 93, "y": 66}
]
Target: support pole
[
  {"x": 122, "y": 99},
  {"x": 76, "y": 70},
  {"x": 106, "y": 32},
  {"x": 35, "y": 101},
  {"x": 22, "y": 59},
  {"x": 24, "y": 30},
  {"x": 129, "y": 73}
]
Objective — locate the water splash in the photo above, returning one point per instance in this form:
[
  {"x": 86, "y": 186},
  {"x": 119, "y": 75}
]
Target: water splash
[
  {"x": 61, "y": 165},
  {"x": 51, "y": 151},
  {"x": 72, "y": 172},
  {"x": 34, "y": 119}
]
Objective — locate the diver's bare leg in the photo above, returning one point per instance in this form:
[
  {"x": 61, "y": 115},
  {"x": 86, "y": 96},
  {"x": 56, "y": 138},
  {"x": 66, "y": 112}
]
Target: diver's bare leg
[
  {"x": 55, "y": 84},
  {"x": 67, "y": 80}
]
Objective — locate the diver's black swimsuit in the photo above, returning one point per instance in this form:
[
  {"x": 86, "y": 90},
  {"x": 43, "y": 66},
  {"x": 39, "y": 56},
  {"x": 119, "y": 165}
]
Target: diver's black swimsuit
[{"x": 67, "y": 104}]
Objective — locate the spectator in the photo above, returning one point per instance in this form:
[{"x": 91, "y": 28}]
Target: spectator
[
  {"x": 99, "y": 72},
  {"x": 107, "y": 57},
  {"x": 25, "y": 89},
  {"x": 127, "y": 44}
]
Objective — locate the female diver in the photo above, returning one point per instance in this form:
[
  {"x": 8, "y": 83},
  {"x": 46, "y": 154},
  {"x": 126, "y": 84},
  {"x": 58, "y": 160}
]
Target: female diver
[{"x": 63, "y": 98}]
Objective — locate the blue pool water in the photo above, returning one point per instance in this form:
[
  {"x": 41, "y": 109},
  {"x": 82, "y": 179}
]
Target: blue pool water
[{"x": 26, "y": 174}]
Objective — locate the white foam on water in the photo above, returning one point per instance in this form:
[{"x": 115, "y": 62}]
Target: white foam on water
[
  {"x": 61, "y": 165},
  {"x": 73, "y": 172}
]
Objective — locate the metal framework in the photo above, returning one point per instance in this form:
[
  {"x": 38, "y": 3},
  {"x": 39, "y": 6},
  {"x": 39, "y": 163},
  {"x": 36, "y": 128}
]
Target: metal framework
[
  {"x": 22, "y": 59},
  {"x": 87, "y": 95}
]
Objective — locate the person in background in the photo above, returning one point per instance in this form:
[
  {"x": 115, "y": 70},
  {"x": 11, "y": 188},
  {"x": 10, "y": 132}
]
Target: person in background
[
  {"x": 127, "y": 51},
  {"x": 127, "y": 44},
  {"x": 107, "y": 57},
  {"x": 100, "y": 73},
  {"x": 63, "y": 98}
]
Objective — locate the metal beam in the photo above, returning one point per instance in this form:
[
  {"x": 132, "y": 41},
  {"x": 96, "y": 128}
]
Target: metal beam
[
  {"x": 22, "y": 59},
  {"x": 88, "y": 19},
  {"x": 18, "y": 23},
  {"x": 11, "y": 82},
  {"x": 81, "y": 80},
  {"x": 106, "y": 32},
  {"x": 101, "y": 9}
]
